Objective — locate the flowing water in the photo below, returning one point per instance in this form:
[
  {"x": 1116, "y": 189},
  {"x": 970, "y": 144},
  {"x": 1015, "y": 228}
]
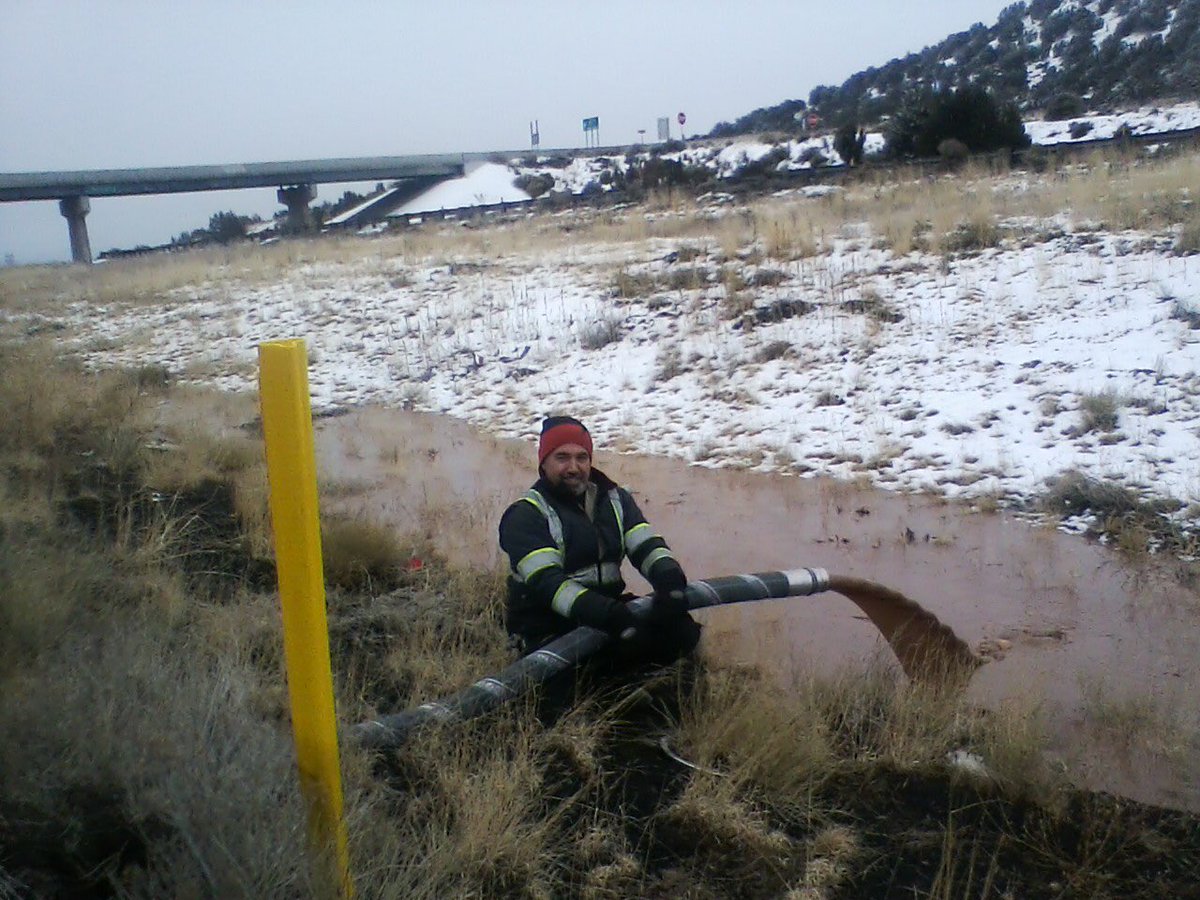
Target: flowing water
[{"x": 1108, "y": 651}]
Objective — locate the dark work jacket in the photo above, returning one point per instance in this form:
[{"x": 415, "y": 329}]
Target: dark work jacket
[{"x": 524, "y": 530}]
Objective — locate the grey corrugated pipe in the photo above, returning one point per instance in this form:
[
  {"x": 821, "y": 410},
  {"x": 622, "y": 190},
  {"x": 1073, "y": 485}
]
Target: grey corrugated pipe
[{"x": 917, "y": 637}]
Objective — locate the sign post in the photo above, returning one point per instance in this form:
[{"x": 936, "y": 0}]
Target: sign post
[{"x": 591, "y": 132}]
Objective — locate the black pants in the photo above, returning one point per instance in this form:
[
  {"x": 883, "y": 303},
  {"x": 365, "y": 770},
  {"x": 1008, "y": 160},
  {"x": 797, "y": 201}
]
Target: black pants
[{"x": 620, "y": 664}]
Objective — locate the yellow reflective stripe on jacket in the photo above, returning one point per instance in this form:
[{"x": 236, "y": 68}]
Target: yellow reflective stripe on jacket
[
  {"x": 638, "y": 535},
  {"x": 534, "y": 562},
  {"x": 605, "y": 574},
  {"x": 552, "y": 519},
  {"x": 614, "y": 497},
  {"x": 652, "y": 557},
  {"x": 555, "y": 523},
  {"x": 565, "y": 597}
]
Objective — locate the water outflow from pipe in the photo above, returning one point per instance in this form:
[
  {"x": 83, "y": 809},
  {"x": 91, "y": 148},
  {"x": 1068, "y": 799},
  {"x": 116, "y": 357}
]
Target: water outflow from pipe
[
  {"x": 924, "y": 646},
  {"x": 928, "y": 650}
]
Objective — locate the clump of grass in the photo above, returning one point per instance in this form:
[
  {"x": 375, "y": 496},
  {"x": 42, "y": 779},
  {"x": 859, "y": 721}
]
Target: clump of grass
[
  {"x": 604, "y": 331},
  {"x": 785, "y": 239},
  {"x": 788, "y": 746},
  {"x": 1099, "y": 411},
  {"x": 828, "y": 398},
  {"x": 633, "y": 285},
  {"x": 973, "y": 235},
  {"x": 687, "y": 278},
  {"x": 956, "y": 428},
  {"x": 192, "y": 455},
  {"x": 1131, "y": 522},
  {"x": 737, "y": 300},
  {"x": 668, "y": 363},
  {"x": 687, "y": 253},
  {"x": 767, "y": 278},
  {"x": 1186, "y": 314},
  {"x": 872, "y": 305},
  {"x": 773, "y": 350},
  {"x": 358, "y": 554},
  {"x": 1187, "y": 241},
  {"x": 724, "y": 833}
]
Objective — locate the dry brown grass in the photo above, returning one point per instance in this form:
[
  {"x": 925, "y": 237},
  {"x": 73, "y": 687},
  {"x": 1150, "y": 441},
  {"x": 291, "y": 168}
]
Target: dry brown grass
[
  {"x": 470, "y": 819},
  {"x": 788, "y": 745}
]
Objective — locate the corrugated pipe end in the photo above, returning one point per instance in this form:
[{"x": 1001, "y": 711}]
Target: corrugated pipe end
[{"x": 802, "y": 582}]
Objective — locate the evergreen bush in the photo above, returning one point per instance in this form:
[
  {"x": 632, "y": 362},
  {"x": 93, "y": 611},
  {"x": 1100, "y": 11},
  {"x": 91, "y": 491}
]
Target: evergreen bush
[
  {"x": 968, "y": 114},
  {"x": 534, "y": 185},
  {"x": 849, "y": 142},
  {"x": 224, "y": 227},
  {"x": 1063, "y": 106}
]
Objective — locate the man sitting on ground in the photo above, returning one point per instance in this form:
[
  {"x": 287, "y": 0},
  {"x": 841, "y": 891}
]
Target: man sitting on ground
[{"x": 565, "y": 540}]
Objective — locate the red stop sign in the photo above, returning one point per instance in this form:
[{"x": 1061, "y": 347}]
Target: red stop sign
[{"x": 682, "y": 118}]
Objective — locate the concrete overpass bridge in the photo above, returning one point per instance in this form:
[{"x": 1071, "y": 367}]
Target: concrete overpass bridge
[{"x": 294, "y": 180}]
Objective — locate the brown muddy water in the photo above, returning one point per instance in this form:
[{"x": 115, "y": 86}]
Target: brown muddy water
[{"x": 1107, "y": 652}]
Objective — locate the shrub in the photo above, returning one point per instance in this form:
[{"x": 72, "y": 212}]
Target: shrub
[
  {"x": 767, "y": 278},
  {"x": 765, "y": 165},
  {"x": 1079, "y": 129},
  {"x": 953, "y": 150},
  {"x": 969, "y": 114},
  {"x": 873, "y": 306},
  {"x": 1063, "y": 106},
  {"x": 849, "y": 142},
  {"x": 1121, "y": 513},
  {"x": 1188, "y": 240},
  {"x": 224, "y": 227},
  {"x": 657, "y": 171},
  {"x": 534, "y": 185}
]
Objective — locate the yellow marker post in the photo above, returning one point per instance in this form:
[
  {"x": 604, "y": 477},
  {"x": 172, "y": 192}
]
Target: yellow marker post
[{"x": 292, "y": 473}]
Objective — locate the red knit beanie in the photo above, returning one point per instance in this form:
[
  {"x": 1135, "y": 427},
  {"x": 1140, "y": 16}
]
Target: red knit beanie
[{"x": 559, "y": 430}]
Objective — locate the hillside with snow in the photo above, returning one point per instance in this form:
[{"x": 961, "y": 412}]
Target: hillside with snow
[{"x": 1067, "y": 56}]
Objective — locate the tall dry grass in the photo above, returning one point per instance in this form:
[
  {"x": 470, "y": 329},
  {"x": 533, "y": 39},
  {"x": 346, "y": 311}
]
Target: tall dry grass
[{"x": 789, "y": 744}]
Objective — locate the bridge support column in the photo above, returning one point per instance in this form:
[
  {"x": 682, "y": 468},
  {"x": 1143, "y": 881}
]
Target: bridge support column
[
  {"x": 296, "y": 198},
  {"x": 75, "y": 209}
]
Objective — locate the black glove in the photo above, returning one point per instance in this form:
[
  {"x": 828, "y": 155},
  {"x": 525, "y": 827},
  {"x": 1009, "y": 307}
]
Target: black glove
[
  {"x": 669, "y": 604},
  {"x": 619, "y": 621}
]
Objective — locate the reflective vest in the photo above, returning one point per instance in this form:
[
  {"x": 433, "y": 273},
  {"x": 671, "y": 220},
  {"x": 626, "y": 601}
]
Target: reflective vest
[{"x": 606, "y": 574}]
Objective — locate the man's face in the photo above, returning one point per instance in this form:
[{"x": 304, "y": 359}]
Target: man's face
[{"x": 568, "y": 468}]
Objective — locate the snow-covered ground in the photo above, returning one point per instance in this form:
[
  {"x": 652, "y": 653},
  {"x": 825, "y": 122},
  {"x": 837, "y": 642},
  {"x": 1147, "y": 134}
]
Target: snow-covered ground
[
  {"x": 973, "y": 375},
  {"x": 969, "y": 376}
]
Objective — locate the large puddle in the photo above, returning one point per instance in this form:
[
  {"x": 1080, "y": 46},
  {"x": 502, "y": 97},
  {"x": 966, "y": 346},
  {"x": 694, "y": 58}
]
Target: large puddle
[{"x": 1110, "y": 653}]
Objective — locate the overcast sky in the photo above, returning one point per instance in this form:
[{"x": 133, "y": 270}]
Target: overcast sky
[{"x": 119, "y": 84}]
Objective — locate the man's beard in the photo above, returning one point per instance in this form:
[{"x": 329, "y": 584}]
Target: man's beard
[{"x": 575, "y": 486}]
